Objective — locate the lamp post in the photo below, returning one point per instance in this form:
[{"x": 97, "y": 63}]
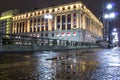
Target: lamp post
[{"x": 108, "y": 15}]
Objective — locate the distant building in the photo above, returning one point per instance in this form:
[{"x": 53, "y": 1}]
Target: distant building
[
  {"x": 6, "y": 21},
  {"x": 71, "y": 21}
]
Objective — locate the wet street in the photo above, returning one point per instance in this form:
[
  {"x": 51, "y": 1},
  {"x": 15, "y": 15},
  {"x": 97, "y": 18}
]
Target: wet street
[{"x": 92, "y": 64}]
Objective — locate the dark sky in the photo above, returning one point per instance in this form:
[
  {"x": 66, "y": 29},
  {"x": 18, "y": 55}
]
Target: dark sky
[{"x": 28, "y": 5}]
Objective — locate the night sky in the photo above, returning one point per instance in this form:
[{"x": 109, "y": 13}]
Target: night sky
[{"x": 27, "y": 5}]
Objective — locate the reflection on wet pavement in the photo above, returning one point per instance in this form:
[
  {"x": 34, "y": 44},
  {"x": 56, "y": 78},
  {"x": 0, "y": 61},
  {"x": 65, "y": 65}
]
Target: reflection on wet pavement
[{"x": 95, "y": 64}]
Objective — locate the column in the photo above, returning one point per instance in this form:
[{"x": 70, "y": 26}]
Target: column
[
  {"x": 72, "y": 18},
  {"x": 84, "y": 22},
  {"x": 77, "y": 20},
  {"x": 80, "y": 22},
  {"x": 28, "y": 25},
  {"x": 66, "y": 22},
  {"x": 49, "y": 24},
  {"x": 55, "y": 22},
  {"x": 60, "y": 22},
  {"x": 40, "y": 24}
]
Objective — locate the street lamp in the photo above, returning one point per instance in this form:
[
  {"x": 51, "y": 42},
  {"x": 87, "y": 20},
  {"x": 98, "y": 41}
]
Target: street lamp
[
  {"x": 108, "y": 15},
  {"x": 115, "y": 37}
]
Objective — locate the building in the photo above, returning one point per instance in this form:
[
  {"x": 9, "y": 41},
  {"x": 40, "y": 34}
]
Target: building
[
  {"x": 71, "y": 21},
  {"x": 6, "y": 21}
]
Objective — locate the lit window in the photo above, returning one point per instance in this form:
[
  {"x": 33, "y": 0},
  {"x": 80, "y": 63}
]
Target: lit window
[
  {"x": 58, "y": 34},
  {"x": 68, "y": 34},
  {"x": 74, "y": 33},
  {"x": 63, "y": 34}
]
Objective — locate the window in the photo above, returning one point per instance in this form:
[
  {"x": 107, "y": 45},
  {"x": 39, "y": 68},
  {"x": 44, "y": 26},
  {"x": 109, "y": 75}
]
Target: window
[
  {"x": 30, "y": 25},
  {"x": 42, "y": 12},
  {"x": 74, "y": 14},
  {"x": 63, "y": 22},
  {"x": 23, "y": 27},
  {"x": 41, "y": 35},
  {"x": 69, "y": 7},
  {"x": 17, "y": 27},
  {"x": 46, "y": 34},
  {"x": 27, "y": 15},
  {"x": 74, "y": 20},
  {"x": 53, "y": 10},
  {"x": 52, "y": 34},
  {"x": 20, "y": 27},
  {"x": 47, "y": 11},
  {"x": 58, "y": 22},
  {"x": 46, "y": 26},
  {"x": 38, "y": 13},
  {"x": 58, "y": 9},
  {"x": 87, "y": 22},
  {"x": 30, "y": 14},
  {"x": 42, "y": 24},
  {"x": 35, "y": 14},
  {"x": 34, "y": 25},
  {"x": 74, "y": 6},
  {"x": 63, "y": 8},
  {"x": 26, "y": 26},
  {"x": 53, "y": 24},
  {"x": 38, "y": 25},
  {"x": 69, "y": 21}
]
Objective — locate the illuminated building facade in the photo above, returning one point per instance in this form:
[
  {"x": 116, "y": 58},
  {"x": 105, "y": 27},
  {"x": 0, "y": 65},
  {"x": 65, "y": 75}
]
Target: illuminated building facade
[
  {"x": 6, "y": 21},
  {"x": 71, "y": 21}
]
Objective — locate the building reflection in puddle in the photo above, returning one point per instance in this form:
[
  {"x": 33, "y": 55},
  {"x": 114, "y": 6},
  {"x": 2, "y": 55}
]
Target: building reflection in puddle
[{"x": 62, "y": 67}]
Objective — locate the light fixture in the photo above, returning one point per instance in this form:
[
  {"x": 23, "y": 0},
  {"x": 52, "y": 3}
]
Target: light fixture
[
  {"x": 48, "y": 16},
  {"x": 110, "y": 15},
  {"x": 109, "y": 6}
]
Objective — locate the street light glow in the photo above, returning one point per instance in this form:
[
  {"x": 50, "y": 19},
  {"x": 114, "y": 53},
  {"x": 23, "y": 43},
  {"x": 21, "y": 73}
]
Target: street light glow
[
  {"x": 110, "y": 15},
  {"x": 109, "y": 6},
  {"x": 115, "y": 29},
  {"x": 106, "y": 16}
]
